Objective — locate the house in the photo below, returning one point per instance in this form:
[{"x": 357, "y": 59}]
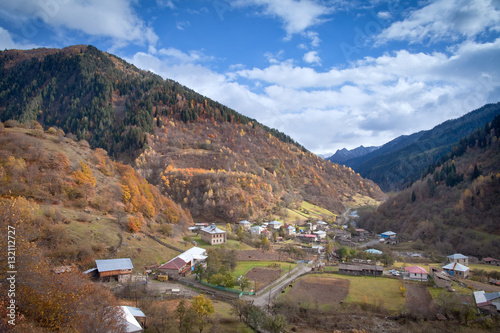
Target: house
[
  {"x": 457, "y": 270},
  {"x": 458, "y": 258},
  {"x": 321, "y": 225},
  {"x": 488, "y": 303},
  {"x": 362, "y": 232},
  {"x": 342, "y": 234},
  {"x": 290, "y": 230},
  {"x": 257, "y": 230},
  {"x": 213, "y": 235},
  {"x": 274, "y": 225},
  {"x": 415, "y": 273},
  {"x": 388, "y": 235},
  {"x": 373, "y": 251},
  {"x": 320, "y": 233},
  {"x": 119, "y": 269},
  {"x": 184, "y": 263},
  {"x": 130, "y": 316},
  {"x": 308, "y": 238},
  {"x": 195, "y": 255},
  {"x": 361, "y": 269},
  {"x": 176, "y": 268},
  {"x": 491, "y": 261},
  {"x": 440, "y": 278},
  {"x": 245, "y": 224}
]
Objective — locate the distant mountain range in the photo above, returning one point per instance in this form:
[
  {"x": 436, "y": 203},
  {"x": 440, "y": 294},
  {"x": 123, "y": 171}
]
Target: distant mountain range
[
  {"x": 343, "y": 155},
  {"x": 403, "y": 160}
]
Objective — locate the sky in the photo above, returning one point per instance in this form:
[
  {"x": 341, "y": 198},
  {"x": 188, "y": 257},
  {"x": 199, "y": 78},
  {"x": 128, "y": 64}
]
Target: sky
[{"x": 331, "y": 74}]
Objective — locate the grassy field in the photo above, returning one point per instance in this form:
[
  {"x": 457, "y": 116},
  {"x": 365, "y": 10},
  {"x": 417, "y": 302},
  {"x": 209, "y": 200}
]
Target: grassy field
[
  {"x": 487, "y": 268},
  {"x": 307, "y": 211},
  {"x": 244, "y": 266},
  {"x": 143, "y": 251},
  {"x": 374, "y": 290},
  {"x": 229, "y": 322}
]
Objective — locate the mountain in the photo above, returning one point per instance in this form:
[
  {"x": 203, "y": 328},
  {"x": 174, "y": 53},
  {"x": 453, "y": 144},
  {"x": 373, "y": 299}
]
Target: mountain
[
  {"x": 454, "y": 207},
  {"x": 397, "y": 163},
  {"x": 343, "y": 155},
  {"x": 217, "y": 163}
]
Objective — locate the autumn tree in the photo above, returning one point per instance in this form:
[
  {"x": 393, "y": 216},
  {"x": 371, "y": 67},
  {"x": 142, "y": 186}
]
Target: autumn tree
[{"x": 203, "y": 308}]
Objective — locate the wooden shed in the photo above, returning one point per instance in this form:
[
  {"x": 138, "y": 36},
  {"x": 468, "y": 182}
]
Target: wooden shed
[{"x": 118, "y": 269}]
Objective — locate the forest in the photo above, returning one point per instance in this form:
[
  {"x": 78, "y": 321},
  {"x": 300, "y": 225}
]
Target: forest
[{"x": 453, "y": 207}]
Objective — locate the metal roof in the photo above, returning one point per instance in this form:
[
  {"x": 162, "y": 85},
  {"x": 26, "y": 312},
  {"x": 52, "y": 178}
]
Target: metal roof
[
  {"x": 455, "y": 266},
  {"x": 107, "y": 265},
  {"x": 416, "y": 270},
  {"x": 458, "y": 256},
  {"x": 212, "y": 229}
]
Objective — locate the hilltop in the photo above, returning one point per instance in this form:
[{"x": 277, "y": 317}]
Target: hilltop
[{"x": 210, "y": 159}]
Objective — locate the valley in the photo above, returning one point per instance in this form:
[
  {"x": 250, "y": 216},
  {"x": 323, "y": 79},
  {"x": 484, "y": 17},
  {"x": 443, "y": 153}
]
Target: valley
[{"x": 215, "y": 222}]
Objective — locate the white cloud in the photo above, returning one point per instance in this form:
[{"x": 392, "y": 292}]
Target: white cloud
[
  {"x": 297, "y": 15},
  {"x": 111, "y": 18},
  {"x": 312, "y": 57},
  {"x": 445, "y": 19},
  {"x": 7, "y": 42},
  {"x": 174, "y": 55}
]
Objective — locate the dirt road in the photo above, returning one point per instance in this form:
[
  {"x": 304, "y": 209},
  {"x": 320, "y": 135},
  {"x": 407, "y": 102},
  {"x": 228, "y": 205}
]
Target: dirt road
[{"x": 266, "y": 296}]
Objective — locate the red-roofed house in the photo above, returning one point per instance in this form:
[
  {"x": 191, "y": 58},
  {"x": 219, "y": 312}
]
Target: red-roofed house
[
  {"x": 491, "y": 261},
  {"x": 176, "y": 268},
  {"x": 415, "y": 273}
]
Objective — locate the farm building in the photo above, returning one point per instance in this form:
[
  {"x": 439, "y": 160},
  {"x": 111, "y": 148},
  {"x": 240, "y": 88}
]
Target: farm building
[
  {"x": 440, "y": 278},
  {"x": 130, "y": 318},
  {"x": 184, "y": 263},
  {"x": 176, "y": 268},
  {"x": 491, "y": 261},
  {"x": 289, "y": 230},
  {"x": 415, "y": 273},
  {"x": 307, "y": 238},
  {"x": 373, "y": 251},
  {"x": 362, "y": 232},
  {"x": 458, "y": 258},
  {"x": 213, "y": 235},
  {"x": 457, "y": 270},
  {"x": 361, "y": 269},
  {"x": 388, "y": 235},
  {"x": 119, "y": 269},
  {"x": 245, "y": 224},
  {"x": 488, "y": 303}
]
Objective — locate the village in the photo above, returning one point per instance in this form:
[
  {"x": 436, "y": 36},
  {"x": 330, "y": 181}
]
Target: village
[{"x": 285, "y": 255}]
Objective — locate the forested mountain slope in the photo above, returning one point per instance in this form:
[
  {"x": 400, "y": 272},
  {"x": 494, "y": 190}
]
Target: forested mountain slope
[
  {"x": 402, "y": 160},
  {"x": 211, "y": 159},
  {"x": 454, "y": 207}
]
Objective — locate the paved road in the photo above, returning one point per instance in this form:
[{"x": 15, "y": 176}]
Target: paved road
[{"x": 268, "y": 294}]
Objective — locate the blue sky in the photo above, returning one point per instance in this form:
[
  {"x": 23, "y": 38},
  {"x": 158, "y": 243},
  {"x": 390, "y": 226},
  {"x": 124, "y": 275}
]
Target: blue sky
[{"x": 329, "y": 73}]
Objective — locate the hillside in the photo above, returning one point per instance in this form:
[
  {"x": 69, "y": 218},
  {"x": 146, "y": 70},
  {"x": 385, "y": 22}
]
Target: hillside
[
  {"x": 85, "y": 205},
  {"x": 402, "y": 160},
  {"x": 454, "y": 207},
  {"x": 207, "y": 157}
]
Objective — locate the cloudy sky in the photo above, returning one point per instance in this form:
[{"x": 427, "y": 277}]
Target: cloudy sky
[{"x": 329, "y": 73}]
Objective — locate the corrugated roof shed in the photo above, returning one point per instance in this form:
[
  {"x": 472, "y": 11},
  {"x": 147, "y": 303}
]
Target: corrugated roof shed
[{"x": 106, "y": 265}]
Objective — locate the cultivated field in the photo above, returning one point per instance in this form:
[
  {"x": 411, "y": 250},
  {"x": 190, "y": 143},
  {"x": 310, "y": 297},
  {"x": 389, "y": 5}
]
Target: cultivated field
[{"x": 312, "y": 290}]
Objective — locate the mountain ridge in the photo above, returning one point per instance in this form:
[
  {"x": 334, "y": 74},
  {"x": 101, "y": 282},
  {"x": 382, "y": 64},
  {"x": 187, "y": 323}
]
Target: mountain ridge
[{"x": 399, "y": 162}]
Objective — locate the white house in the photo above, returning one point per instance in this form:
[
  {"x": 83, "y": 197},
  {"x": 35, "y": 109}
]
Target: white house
[
  {"x": 457, "y": 270},
  {"x": 416, "y": 273},
  {"x": 257, "y": 230},
  {"x": 290, "y": 230},
  {"x": 321, "y": 234},
  {"x": 245, "y": 224},
  {"x": 275, "y": 224}
]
